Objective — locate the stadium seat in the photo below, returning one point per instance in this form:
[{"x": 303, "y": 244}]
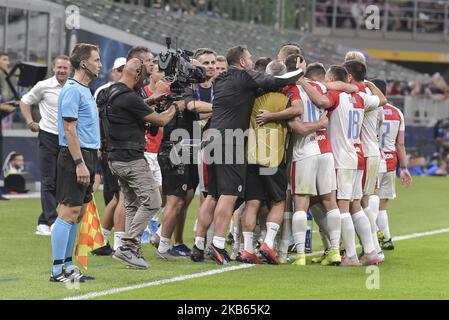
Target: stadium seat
[{"x": 156, "y": 24}]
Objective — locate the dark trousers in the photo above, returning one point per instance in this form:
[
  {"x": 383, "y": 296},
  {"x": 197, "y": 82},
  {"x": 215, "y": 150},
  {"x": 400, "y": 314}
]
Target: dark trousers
[{"x": 48, "y": 157}]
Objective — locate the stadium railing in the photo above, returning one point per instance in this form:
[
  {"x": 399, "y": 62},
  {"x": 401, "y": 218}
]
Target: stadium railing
[
  {"x": 425, "y": 111},
  {"x": 410, "y": 18}
]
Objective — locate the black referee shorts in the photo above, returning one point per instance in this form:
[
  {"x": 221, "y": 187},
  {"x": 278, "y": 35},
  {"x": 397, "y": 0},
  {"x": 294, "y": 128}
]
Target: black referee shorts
[
  {"x": 269, "y": 186},
  {"x": 68, "y": 191}
]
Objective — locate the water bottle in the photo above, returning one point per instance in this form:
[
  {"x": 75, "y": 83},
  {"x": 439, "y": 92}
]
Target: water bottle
[
  {"x": 308, "y": 248},
  {"x": 145, "y": 236},
  {"x": 153, "y": 226}
]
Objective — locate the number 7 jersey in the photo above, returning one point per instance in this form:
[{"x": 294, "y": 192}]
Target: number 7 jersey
[
  {"x": 314, "y": 143},
  {"x": 393, "y": 122}
]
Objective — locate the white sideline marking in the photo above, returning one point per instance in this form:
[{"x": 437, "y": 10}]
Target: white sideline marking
[
  {"x": 421, "y": 234},
  {"x": 218, "y": 271},
  {"x": 159, "y": 282},
  {"x": 399, "y": 238}
]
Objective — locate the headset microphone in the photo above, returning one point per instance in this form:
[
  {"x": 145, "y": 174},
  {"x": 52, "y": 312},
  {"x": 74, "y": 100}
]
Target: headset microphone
[{"x": 91, "y": 74}]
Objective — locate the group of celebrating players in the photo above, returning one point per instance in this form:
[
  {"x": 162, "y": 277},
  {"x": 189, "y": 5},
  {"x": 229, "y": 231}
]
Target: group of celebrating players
[{"x": 338, "y": 148}]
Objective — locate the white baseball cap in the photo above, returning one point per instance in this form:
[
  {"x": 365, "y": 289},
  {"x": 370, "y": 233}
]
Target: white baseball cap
[{"x": 119, "y": 62}]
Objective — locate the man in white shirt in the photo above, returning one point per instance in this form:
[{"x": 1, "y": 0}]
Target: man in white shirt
[{"x": 45, "y": 94}]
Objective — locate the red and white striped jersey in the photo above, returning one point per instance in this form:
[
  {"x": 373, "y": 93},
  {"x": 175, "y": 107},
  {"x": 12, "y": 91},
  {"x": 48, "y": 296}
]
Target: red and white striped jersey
[
  {"x": 314, "y": 143},
  {"x": 370, "y": 140},
  {"x": 345, "y": 126},
  {"x": 393, "y": 123}
]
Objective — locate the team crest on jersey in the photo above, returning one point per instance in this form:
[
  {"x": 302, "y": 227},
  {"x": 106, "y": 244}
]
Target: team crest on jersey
[{"x": 352, "y": 100}]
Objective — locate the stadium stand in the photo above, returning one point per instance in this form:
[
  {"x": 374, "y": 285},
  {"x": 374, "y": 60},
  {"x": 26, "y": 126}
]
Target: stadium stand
[{"x": 201, "y": 31}]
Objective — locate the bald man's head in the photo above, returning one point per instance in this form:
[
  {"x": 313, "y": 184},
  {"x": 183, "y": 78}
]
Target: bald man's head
[{"x": 134, "y": 72}]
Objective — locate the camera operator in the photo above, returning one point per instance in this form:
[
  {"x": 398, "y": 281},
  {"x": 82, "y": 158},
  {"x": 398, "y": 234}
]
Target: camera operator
[
  {"x": 114, "y": 210},
  {"x": 179, "y": 182},
  {"x": 125, "y": 118}
]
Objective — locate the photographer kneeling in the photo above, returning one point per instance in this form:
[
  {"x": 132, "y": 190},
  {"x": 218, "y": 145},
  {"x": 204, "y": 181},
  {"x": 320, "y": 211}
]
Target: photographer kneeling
[{"x": 125, "y": 116}]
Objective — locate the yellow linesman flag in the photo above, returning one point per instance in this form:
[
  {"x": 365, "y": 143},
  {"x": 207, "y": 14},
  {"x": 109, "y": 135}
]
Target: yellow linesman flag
[{"x": 90, "y": 236}]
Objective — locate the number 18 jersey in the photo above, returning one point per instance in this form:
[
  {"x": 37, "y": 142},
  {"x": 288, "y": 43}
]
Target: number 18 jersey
[{"x": 345, "y": 125}]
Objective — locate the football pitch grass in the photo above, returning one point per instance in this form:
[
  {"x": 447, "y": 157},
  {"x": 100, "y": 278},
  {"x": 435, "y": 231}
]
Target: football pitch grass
[{"x": 416, "y": 269}]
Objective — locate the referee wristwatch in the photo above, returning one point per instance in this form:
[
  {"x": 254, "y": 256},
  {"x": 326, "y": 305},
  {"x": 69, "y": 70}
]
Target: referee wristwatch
[{"x": 78, "y": 161}]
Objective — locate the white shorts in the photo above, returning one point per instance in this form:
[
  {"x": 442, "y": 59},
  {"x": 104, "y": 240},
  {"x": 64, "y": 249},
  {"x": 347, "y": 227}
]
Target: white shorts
[
  {"x": 349, "y": 184},
  {"x": 202, "y": 172},
  {"x": 387, "y": 185},
  {"x": 382, "y": 167},
  {"x": 288, "y": 157},
  {"x": 314, "y": 175},
  {"x": 154, "y": 167},
  {"x": 371, "y": 175}
]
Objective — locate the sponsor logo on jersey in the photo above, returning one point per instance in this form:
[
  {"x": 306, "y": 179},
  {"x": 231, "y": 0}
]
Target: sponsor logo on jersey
[
  {"x": 389, "y": 156},
  {"x": 388, "y": 112}
]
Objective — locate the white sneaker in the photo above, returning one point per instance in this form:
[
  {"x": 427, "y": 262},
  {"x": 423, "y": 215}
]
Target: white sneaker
[{"x": 43, "y": 230}]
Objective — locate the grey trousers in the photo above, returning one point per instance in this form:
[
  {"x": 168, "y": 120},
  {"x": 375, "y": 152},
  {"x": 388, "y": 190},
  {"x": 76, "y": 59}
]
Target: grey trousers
[{"x": 142, "y": 197}]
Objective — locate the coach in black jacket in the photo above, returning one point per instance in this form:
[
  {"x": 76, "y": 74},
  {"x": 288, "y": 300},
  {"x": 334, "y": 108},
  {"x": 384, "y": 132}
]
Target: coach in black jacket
[{"x": 235, "y": 93}]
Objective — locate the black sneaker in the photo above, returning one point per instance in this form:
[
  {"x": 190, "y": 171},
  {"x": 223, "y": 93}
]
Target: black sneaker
[
  {"x": 197, "y": 255},
  {"x": 62, "y": 277},
  {"x": 76, "y": 274},
  {"x": 103, "y": 251},
  {"x": 220, "y": 256}
]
